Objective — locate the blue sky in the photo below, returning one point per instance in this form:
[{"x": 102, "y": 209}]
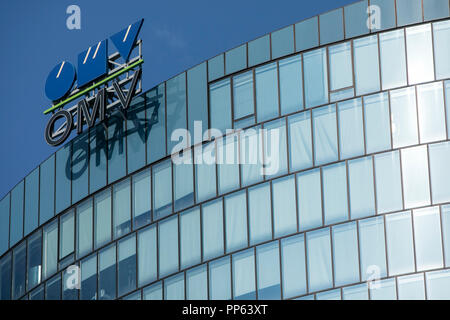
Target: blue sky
[{"x": 177, "y": 35}]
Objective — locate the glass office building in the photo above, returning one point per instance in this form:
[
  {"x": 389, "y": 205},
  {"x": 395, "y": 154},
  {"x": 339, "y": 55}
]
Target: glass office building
[{"x": 357, "y": 208}]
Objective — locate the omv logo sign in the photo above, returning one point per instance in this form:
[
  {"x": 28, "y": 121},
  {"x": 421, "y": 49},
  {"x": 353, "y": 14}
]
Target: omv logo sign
[{"x": 98, "y": 76}]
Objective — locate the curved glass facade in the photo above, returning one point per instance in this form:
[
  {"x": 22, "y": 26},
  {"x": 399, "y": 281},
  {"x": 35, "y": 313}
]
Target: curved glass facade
[{"x": 334, "y": 183}]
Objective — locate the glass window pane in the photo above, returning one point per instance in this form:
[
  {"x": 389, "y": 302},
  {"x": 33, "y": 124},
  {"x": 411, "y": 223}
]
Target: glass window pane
[
  {"x": 268, "y": 271},
  {"x": 440, "y": 171},
  {"x": 316, "y": 77},
  {"x": 441, "y": 33},
  {"x": 212, "y": 229},
  {"x": 197, "y": 284},
  {"x": 259, "y": 50},
  {"x": 190, "y": 245},
  {"x": 84, "y": 228},
  {"x": 53, "y": 288},
  {"x": 243, "y": 95},
  {"x": 97, "y": 160},
  {"x": 168, "y": 246},
  {"x": 16, "y": 228},
  {"x": 127, "y": 265},
  {"x": 31, "y": 202},
  {"x": 69, "y": 291},
  {"x": 377, "y": 121},
  {"x": 236, "y": 59},
  {"x": 205, "y": 172},
  {"x": 174, "y": 288},
  {"x": 37, "y": 294},
  {"x": 284, "y": 208},
  {"x": 282, "y": 42},
  {"x": 89, "y": 278},
  {"x": 320, "y": 275},
  {"x": 122, "y": 208},
  {"x": 236, "y": 221},
  {"x": 147, "y": 257},
  {"x": 372, "y": 248},
  {"x": 67, "y": 236},
  {"x": 216, "y": 67},
  {"x": 307, "y": 34},
  {"x": 220, "y": 279},
  {"x": 420, "y": 54},
  {"x": 136, "y": 296},
  {"x": 358, "y": 292},
  {"x": 300, "y": 141},
  {"x": 345, "y": 254},
  {"x": 445, "y": 212},
  {"x": 351, "y": 132},
  {"x": 366, "y": 63},
  {"x": 244, "y": 275},
  {"x": 435, "y": 9},
  {"x": 329, "y": 295},
  {"x": 393, "y": 60},
  {"x": 430, "y": 106},
  {"x": 153, "y": 292},
  {"x": 409, "y": 11},
  {"x": 293, "y": 262},
  {"x": 384, "y": 290},
  {"x": 156, "y": 126},
  {"x": 342, "y": 94},
  {"x": 361, "y": 187},
  {"x": 291, "y": 84},
  {"x": 5, "y": 277},
  {"x": 228, "y": 163},
  {"x": 47, "y": 190},
  {"x": 183, "y": 181},
  {"x": 341, "y": 73},
  {"x": 266, "y": 92},
  {"x": 388, "y": 182},
  {"x": 50, "y": 252},
  {"x": 19, "y": 271},
  {"x": 116, "y": 147},
  {"x": 356, "y": 19},
  {"x": 176, "y": 107},
  {"x": 220, "y": 104},
  {"x": 325, "y": 135},
  {"x": 4, "y": 223},
  {"x": 102, "y": 212},
  {"x": 34, "y": 260},
  {"x": 251, "y": 149},
  {"x": 438, "y": 285},
  {"x": 404, "y": 117},
  {"x": 275, "y": 148},
  {"x": 334, "y": 193},
  {"x": 427, "y": 238},
  {"x": 386, "y": 14},
  {"x": 162, "y": 189},
  {"x": 260, "y": 215},
  {"x": 309, "y": 199},
  {"x": 107, "y": 274},
  {"x": 399, "y": 243},
  {"x": 415, "y": 177},
  {"x": 141, "y": 199},
  {"x": 411, "y": 287},
  {"x": 63, "y": 177},
  {"x": 197, "y": 97},
  {"x": 136, "y": 136},
  {"x": 331, "y": 26}
]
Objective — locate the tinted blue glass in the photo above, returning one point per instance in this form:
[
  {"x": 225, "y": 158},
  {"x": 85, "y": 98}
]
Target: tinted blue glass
[
  {"x": 66, "y": 234},
  {"x": 340, "y": 59},
  {"x": 220, "y": 279},
  {"x": 89, "y": 278},
  {"x": 411, "y": 287},
  {"x": 244, "y": 275},
  {"x": 197, "y": 92},
  {"x": 141, "y": 204},
  {"x": 251, "y": 148},
  {"x": 315, "y": 77},
  {"x": 268, "y": 271},
  {"x": 335, "y": 193},
  {"x": 16, "y": 232},
  {"x": 162, "y": 189},
  {"x": 307, "y": 34},
  {"x": 236, "y": 221},
  {"x": 309, "y": 199},
  {"x": 345, "y": 254},
  {"x": 31, "y": 201},
  {"x": 212, "y": 229},
  {"x": 275, "y": 148},
  {"x": 430, "y": 106},
  {"x": 445, "y": 212},
  {"x": 80, "y": 167},
  {"x": 205, "y": 172},
  {"x": 197, "y": 284},
  {"x": 37, "y": 294},
  {"x": 174, "y": 288},
  {"x": 116, "y": 147},
  {"x": 325, "y": 135},
  {"x": 404, "y": 117},
  {"x": 228, "y": 163},
  {"x": 356, "y": 19},
  {"x": 260, "y": 215},
  {"x": 136, "y": 134},
  {"x": 377, "y": 122},
  {"x": 5, "y": 277},
  {"x": 69, "y": 293},
  {"x": 4, "y": 223},
  {"x": 393, "y": 59},
  {"x": 19, "y": 271},
  {"x": 97, "y": 160},
  {"x": 102, "y": 218},
  {"x": 351, "y": 135},
  {"x": 63, "y": 177},
  {"x": 420, "y": 54},
  {"x": 358, "y": 292},
  {"x": 266, "y": 78},
  {"x": 440, "y": 171},
  {"x": 243, "y": 94},
  {"x": 176, "y": 108},
  {"x": 236, "y": 59},
  {"x": 300, "y": 141},
  {"x": 282, "y": 42},
  {"x": 148, "y": 256},
  {"x": 291, "y": 84},
  {"x": 331, "y": 26},
  {"x": 183, "y": 182},
  {"x": 156, "y": 125},
  {"x": 50, "y": 252},
  {"x": 216, "y": 67},
  {"x": 153, "y": 292},
  {"x": 320, "y": 275},
  {"x": 386, "y": 290},
  {"x": 84, "y": 228},
  {"x": 259, "y": 50},
  {"x": 168, "y": 246},
  {"x": 329, "y": 295},
  {"x": 388, "y": 182},
  {"x": 220, "y": 105},
  {"x": 366, "y": 65},
  {"x": 127, "y": 265},
  {"x": 53, "y": 288},
  {"x": 409, "y": 11},
  {"x": 361, "y": 186},
  {"x": 293, "y": 262},
  {"x": 441, "y": 32},
  {"x": 107, "y": 274},
  {"x": 122, "y": 208},
  {"x": 435, "y": 9},
  {"x": 190, "y": 242},
  {"x": 385, "y": 14},
  {"x": 438, "y": 284},
  {"x": 284, "y": 208},
  {"x": 342, "y": 94}
]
